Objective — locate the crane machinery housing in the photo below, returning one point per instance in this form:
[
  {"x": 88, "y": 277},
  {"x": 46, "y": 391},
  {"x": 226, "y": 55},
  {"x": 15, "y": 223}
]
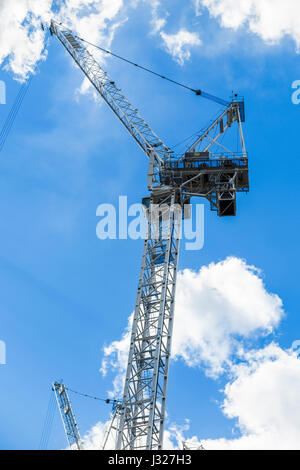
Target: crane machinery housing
[{"x": 138, "y": 421}]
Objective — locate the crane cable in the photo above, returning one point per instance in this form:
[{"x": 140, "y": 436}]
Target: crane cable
[
  {"x": 48, "y": 423},
  {"x": 106, "y": 400},
  {"x": 198, "y": 92},
  {"x": 13, "y": 112}
]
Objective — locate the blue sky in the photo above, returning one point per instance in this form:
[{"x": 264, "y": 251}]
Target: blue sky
[{"x": 66, "y": 294}]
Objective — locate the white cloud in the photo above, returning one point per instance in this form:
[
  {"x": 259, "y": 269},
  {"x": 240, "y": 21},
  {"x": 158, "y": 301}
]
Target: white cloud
[
  {"x": 180, "y": 43},
  {"x": 174, "y": 435},
  {"x": 93, "y": 20},
  {"x": 158, "y": 24},
  {"x": 264, "y": 398},
  {"x": 21, "y": 37},
  {"x": 94, "y": 439},
  {"x": 157, "y": 21},
  {"x": 270, "y": 19},
  {"x": 217, "y": 308},
  {"x": 115, "y": 359},
  {"x": 22, "y": 40}
]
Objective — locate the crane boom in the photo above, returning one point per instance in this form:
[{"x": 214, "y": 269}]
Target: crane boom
[
  {"x": 150, "y": 143},
  {"x": 67, "y": 416}
]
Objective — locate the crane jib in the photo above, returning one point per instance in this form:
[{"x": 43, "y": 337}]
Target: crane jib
[{"x": 127, "y": 114}]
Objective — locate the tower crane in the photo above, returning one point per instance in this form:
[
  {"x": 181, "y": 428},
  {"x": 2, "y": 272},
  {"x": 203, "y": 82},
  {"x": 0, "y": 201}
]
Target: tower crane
[
  {"x": 217, "y": 175},
  {"x": 67, "y": 415}
]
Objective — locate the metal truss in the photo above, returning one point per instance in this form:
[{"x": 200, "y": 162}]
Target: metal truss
[
  {"x": 111, "y": 434},
  {"x": 143, "y": 407},
  {"x": 67, "y": 416},
  {"x": 123, "y": 109},
  {"x": 210, "y": 137}
]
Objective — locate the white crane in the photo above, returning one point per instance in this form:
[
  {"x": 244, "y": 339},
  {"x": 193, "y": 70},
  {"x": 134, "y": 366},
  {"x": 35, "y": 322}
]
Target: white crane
[{"x": 139, "y": 420}]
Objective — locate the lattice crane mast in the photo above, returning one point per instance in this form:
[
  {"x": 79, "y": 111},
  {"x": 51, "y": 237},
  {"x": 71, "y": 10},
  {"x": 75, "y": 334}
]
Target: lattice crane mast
[
  {"x": 139, "y": 420},
  {"x": 67, "y": 416}
]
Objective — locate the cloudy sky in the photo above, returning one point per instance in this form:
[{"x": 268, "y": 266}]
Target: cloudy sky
[{"x": 67, "y": 297}]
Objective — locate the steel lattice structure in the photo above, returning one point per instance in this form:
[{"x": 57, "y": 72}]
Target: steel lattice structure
[
  {"x": 144, "y": 400},
  {"x": 138, "y": 421},
  {"x": 67, "y": 416}
]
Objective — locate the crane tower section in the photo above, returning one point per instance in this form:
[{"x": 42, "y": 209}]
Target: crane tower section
[{"x": 144, "y": 400}]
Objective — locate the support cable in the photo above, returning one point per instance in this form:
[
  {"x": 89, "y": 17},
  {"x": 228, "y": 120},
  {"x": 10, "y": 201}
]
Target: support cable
[
  {"x": 198, "y": 92},
  {"x": 48, "y": 423},
  {"x": 13, "y": 112},
  {"x": 106, "y": 400}
]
